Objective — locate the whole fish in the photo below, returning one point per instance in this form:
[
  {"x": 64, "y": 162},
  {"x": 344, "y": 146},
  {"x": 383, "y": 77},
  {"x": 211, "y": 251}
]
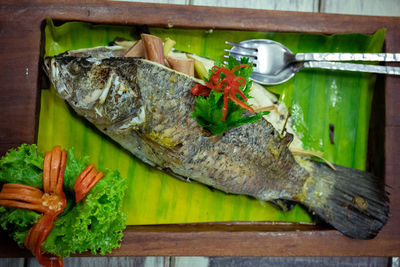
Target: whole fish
[{"x": 146, "y": 108}]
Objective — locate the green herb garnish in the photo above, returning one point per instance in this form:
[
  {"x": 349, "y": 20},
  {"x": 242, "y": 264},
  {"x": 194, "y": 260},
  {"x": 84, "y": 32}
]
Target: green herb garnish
[{"x": 213, "y": 110}]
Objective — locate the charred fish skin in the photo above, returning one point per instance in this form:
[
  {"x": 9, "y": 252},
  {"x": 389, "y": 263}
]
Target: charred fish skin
[
  {"x": 148, "y": 106},
  {"x": 145, "y": 107}
]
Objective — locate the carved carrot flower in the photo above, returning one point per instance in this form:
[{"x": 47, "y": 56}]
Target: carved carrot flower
[{"x": 51, "y": 201}]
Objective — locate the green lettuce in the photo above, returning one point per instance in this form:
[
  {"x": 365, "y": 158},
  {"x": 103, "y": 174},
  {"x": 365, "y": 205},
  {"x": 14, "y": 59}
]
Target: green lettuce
[
  {"x": 17, "y": 222},
  {"x": 22, "y": 166},
  {"x": 96, "y": 223}
]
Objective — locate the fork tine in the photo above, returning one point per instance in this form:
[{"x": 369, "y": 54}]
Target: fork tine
[
  {"x": 232, "y": 43},
  {"x": 247, "y": 46},
  {"x": 238, "y": 58},
  {"x": 251, "y": 54}
]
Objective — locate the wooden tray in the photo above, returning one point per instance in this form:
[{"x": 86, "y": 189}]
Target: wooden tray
[{"x": 21, "y": 26}]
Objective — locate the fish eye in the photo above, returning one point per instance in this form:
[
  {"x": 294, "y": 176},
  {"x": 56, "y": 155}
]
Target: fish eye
[{"x": 74, "y": 68}]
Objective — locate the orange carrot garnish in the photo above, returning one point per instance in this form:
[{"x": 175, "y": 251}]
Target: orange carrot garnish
[
  {"x": 60, "y": 180},
  {"x": 51, "y": 202},
  {"x": 54, "y": 168},
  {"x": 86, "y": 180},
  {"x": 22, "y": 196},
  {"x": 54, "y": 201},
  {"x": 46, "y": 171},
  {"x": 37, "y": 235}
]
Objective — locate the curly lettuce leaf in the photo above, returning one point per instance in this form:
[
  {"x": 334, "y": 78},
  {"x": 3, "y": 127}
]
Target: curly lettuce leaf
[
  {"x": 96, "y": 223},
  {"x": 17, "y": 222},
  {"x": 22, "y": 166}
]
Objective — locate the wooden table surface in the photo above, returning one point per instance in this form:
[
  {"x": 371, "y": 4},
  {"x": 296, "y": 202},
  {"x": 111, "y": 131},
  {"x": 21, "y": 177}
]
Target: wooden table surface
[{"x": 20, "y": 31}]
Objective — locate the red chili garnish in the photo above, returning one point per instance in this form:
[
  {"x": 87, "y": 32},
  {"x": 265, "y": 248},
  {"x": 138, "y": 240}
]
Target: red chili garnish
[
  {"x": 200, "y": 90},
  {"x": 229, "y": 85}
]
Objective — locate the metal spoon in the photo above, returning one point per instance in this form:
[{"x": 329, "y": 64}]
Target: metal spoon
[{"x": 274, "y": 63}]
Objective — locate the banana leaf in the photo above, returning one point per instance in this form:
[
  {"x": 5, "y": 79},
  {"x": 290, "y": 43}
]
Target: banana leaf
[{"x": 317, "y": 99}]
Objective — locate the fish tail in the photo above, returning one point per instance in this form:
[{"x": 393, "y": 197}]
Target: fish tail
[{"x": 352, "y": 201}]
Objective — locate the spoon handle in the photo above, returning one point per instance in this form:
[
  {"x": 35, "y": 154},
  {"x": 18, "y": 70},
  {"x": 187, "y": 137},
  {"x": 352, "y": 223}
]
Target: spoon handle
[
  {"x": 381, "y": 57},
  {"x": 352, "y": 67}
]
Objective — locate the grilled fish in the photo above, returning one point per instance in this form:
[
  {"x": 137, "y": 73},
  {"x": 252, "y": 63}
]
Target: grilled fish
[{"x": 146, "y": 107}]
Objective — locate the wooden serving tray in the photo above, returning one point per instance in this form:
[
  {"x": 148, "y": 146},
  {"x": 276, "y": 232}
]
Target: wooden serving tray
[{"x": 21, "y": 25}]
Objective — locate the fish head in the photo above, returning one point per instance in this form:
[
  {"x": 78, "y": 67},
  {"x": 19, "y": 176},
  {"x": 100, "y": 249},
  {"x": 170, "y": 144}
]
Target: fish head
[
  {"x": 103, "y": 90},
  {"x": 82, "y": 77},
  {"x": 73, "y": 75}
]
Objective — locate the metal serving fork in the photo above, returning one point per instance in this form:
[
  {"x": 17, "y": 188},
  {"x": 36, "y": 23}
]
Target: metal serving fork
[{"x": 273, "y": 63}]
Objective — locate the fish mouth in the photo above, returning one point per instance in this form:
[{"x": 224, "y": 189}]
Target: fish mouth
[
  {"x": 50, "y": 67},
  {"x": 52, "y": 70},
  {"x": 46, "y": 65}
]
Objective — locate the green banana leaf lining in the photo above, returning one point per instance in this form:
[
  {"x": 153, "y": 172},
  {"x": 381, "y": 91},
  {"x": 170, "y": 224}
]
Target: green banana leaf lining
[{"x": 317, "y": 99}]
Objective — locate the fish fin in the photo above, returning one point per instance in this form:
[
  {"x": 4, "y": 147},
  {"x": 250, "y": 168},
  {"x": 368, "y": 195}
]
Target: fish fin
[
  {"x": 352, "y": 201},
  {"x": 283, "y": 204}
]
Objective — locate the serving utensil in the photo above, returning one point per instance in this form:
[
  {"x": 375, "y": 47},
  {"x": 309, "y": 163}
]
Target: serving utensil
[{"x": 274, "y": 63}]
